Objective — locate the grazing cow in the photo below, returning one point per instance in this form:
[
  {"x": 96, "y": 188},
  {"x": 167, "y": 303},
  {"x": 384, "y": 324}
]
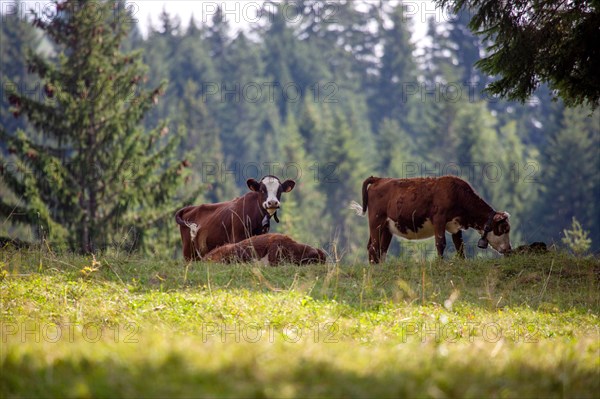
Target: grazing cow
[
  {"x": 419, "y": 208},
  {"x": 273, "y": 249},
  {"x": 208, "y": 226}
]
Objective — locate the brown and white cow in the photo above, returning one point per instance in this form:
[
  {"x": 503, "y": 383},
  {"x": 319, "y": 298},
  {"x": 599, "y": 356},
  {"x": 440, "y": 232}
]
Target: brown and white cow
[
  {"x": 272, "y": 249},
  {"x": 208, "y": 226},
  {"x": 420, "y": 208}
]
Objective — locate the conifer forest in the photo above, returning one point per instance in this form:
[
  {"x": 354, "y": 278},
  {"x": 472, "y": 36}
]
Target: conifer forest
[{"x": 107, "y": 130}]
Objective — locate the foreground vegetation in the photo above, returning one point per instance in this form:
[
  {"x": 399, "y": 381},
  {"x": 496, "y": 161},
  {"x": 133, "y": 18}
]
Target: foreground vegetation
[{"x": 121, "y": 326}]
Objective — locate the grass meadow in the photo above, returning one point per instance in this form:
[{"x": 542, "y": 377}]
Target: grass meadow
[{"x": 127, "y": 326}]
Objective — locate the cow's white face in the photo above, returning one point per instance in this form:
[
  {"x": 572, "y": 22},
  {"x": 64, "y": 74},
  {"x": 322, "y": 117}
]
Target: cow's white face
[
  {"x": 270, "y": 188},
  {"x": 273, "y": 187},
  {"x": 499, "y": 237}
]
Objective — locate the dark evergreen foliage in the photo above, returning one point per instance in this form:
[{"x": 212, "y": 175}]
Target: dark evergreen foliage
[
  {"x": 86, "y": 172},
  {"x": 535, "y": 42}
]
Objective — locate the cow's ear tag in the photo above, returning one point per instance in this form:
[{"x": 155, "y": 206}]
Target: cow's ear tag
[{"x": 482, "y": 243}]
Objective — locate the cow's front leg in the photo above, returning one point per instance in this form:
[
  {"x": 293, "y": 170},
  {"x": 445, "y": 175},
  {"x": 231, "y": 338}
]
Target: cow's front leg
[
  {"x": 439, "y": 229},
  {"x": 187, "y": 244},
  {"x": 459, "y": 244}
]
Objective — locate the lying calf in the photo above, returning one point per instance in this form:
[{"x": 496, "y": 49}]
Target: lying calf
[{"x": 273, "y": 249}]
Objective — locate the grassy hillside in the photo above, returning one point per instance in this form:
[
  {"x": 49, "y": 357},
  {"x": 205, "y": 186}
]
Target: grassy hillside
[{"x": 133, "y": 327}]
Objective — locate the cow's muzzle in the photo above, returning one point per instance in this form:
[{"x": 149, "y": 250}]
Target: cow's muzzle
[
  {"x": 506, "y": 251},
  {"x": 271, "y": 206},
  {"x": 271, "y": 210}
]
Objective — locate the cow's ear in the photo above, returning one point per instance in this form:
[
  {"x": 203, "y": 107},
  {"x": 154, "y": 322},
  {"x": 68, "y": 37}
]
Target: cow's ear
[
  {"x": 253, "y": 185},
  {"x": 500, "y": 216},
  {"x": 288, "y": 186}
]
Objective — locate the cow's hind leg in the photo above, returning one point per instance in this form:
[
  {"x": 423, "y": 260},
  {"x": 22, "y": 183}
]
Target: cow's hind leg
[
  {"x": 459, "y": 244},
  {"x": 369, "y": 250},
  {"x": 379, "y": 244}
]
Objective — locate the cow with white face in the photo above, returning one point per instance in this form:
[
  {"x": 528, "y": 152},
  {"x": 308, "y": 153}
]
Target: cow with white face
[
  {"x": 208, "y": 226},
  {"x": 270, "y": 188}
]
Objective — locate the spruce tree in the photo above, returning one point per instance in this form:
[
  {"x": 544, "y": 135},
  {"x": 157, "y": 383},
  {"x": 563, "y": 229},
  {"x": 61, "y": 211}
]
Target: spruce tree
[
  {"x": 466, "y": 52},
  {"x": 570, "y": 176},
  {"x": 342, "y": 169},
  {"x": 202, "y": 136},
  {"x": 396, "y": 149},
  {"x": 397, "y": 74},
  {"x": 434, "y": 123},
  {"x": 303, "y": 213},
  {"x": 519, "y": 184},
  {"x": 16, "y": 36},
  {"x": 308, "y": 127},
  {"x": 90, "y": 172},
  {"x": 249, "y": 117},
  {"x": 532, "y": 42},
  {"x": 217, "y": 36},
  {"x": 285, "y": 59},
  {"x": 160, "y": 49},
  {"x": 477, "y": 147}
]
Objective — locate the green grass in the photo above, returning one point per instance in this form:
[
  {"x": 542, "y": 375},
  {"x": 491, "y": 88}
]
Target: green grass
[{"x": 135, "y": 327}]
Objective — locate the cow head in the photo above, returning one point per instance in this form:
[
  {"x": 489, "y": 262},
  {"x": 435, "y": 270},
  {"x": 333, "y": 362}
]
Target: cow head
[
  {"x": 270, "y": 188},
  {"x": 312, "y": 255},
  {"x": 496, "y": 232}
]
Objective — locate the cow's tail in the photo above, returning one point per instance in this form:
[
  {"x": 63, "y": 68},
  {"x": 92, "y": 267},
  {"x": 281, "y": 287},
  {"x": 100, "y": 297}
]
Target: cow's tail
[
  {"x": 355, "y": 206},
  {"x": 178, "y": 219},
  {"x": 190, "y": 225}
]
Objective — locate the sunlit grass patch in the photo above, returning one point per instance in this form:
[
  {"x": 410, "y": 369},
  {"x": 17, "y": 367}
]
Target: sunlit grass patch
[{"x": 82, "y": 327}]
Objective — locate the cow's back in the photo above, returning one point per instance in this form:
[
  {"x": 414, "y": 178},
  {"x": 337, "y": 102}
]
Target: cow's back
[
  {"x": 273, "y": 248},
  {"x": 415, "y": 197},
  {"x": 400, "y": 199},
  {"x": 221, "y": 223},
  {"x": 411, "y": 205},
  {"x": 228, "y": 253}
]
